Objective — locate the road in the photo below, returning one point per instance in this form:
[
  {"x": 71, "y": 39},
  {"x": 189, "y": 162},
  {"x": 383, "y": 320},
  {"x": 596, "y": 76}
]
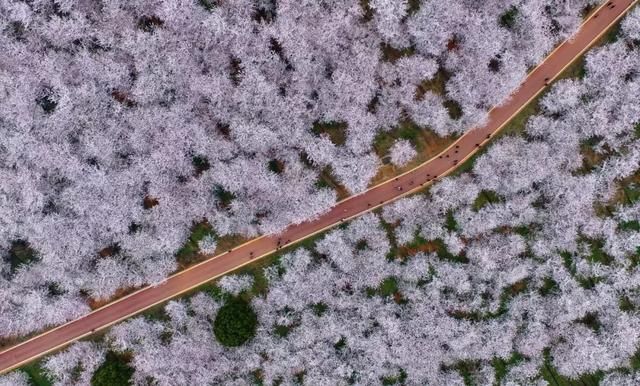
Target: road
[{"x": 391, "y": 190}]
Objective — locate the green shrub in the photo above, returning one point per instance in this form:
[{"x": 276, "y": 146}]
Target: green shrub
[
  {"x": 336, "y": 130},
  {"x": 453, "y": 108},
  {"x": 114, "y": 371},
  {"x": 20, "y": 253},
  {"x": 549, "y": 287},
  {"x": 388, "y": 287},
  {"x": 486, "y": 197},
  {"x": 450, "y": 223},
  {"x": 209, "y": 5},
  {"x": 37, "y": 375},
  {"x": 235, "y": 323},
  {"x": 224, "y": 196},
  {"x": 200, "y": 164},
  {"x": 281, "y": 330},
  {"x": 276, "y": 166},
  {"x": 508, "y": 18},
  {"x": 319, "y": 308}
]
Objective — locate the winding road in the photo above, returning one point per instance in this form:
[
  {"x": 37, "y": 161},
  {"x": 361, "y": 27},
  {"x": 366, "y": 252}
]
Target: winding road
[{"x": 468, "y": 144}]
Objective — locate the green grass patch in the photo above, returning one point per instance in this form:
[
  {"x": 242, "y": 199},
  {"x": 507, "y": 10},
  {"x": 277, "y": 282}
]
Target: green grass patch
[
  {"x": 508, "y": 18},
  {"x": 420, "y": 137},
  {"x": 319, "y": 309},
  {"x": 417, "y": 242},
  {"x": 502, "y": 366},
  {"x": 281, "y": 330},
  {"x": 627, "y": 194},
  {"x": 613, "y": 34},
  {"x": 260, "y": 282},
  {"x": 340, "y": 344},
  {"x": 590, "y": 320},
  {"x": 518, "y": 124},
  {"x": 597, "y": 254},
  {"x": 114, "y": 371},
  {"x": 326, "y": 180},
  {"x": 507, "y": 294},
  {"x": 20, "y": 254},
  {"x": 209, "y": 5},
  {"x": 392, "y": 54},
  {"x": 37, "y": 374},
  {"x": 634, "y": 258},
  {"x": 586, "y": 282},
  {"x": 450, "y": 222},
  {"x": 388, "y": 287},
  {"x": 486, "y": 197},
  {"x": 524, "y": 231},
  {"x": 436, "y": 85},
  {"x": 443, "y": 253},
  {"x": 453, "y": 108},
  {"x": 156, "y": 313},
  {"x": 200, "y": 164},
  {"x": 405, "y": 129},
  {"x": 322, "y": 183},
  {"x": 467, "y": 165},
  {"x": 276, "y": 166},
  {"x": 223, "y": 196},
  {"x": 548, "y": 287},
  {"x": 188, "y": 253},
  {"x": 391, "y": 236},
  {"x": 414, "y": 6},
  {"x": 578, "y": 70},
  {"x": 567, "y": 262},
  {"x": 47, "y": 101},
  {"x": 398, "y": 379},
  {"x": 592, "y": 159},
  {"x": 635, "y": 361},
  {"x": 335, "y": 130},
  {"x": 625, "y": 304},
  {"x": 437, "y": 246},
  {"x": 551, "y": 375},
  {"x": 631, "y": 193},
  {"x": 367, "y": 11},
  {"x": 215, "y": 292},
  {"x": 361, "y": 245},
  {"x": 467, "y": 369},
  {"x": 426, "y": 142}
]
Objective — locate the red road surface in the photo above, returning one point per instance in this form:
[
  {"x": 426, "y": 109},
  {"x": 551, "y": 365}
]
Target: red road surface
[{"x": 381, "y": 194}]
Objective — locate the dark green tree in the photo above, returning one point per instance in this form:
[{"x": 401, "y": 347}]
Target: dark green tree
[
  {"x": 20, "y": 253},
  {"x": 114, "y": 371},
  {"x": 235, "y": 323}
]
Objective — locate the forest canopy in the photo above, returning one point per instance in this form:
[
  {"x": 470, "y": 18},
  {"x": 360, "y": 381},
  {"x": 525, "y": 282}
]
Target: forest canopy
[{"x": 135, "y": 135}]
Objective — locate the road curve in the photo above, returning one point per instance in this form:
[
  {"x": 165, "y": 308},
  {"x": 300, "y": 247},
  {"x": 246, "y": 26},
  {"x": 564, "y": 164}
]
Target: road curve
[{"x": 565, "y": 54}]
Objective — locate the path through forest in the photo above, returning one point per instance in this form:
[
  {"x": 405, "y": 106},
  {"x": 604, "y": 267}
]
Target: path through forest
[{"x": 447, "y": 161}]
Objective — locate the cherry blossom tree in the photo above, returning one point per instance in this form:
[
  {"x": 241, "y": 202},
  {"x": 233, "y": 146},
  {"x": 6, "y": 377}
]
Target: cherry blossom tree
[
  {"x": 234, "y": 284},
  {"x": 402, "y": 152},
  {"x": 16, "y": 378},
  {"x": 63, "y": 367},
  {"x": 124, "y": 124}
]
